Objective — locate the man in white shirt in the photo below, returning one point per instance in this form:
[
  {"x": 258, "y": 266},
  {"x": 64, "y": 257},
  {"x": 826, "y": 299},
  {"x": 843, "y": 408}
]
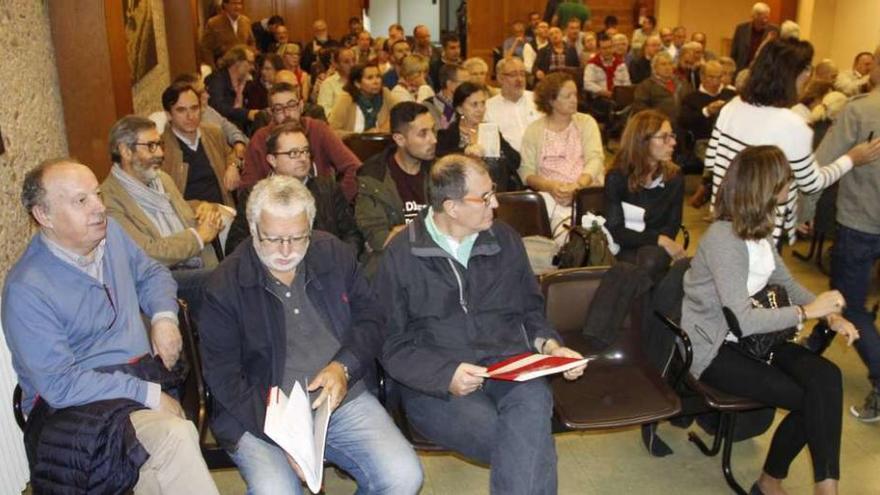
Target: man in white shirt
[
  {"x": 333, "y": 86},
  {"x": 668, "y": 45},
  {"x": 514, "y": 109},
  {"x": 855, "y": 81}
]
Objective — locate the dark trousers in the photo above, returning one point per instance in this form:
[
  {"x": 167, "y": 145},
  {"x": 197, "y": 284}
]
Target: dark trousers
[
  {"x": 506, "y": 425},
  {"x": 852, "y": 266},
  {"x": 191, "y": 287},
  {"x": 653, "y": 259},
  {"x": 807, "y": 385}
]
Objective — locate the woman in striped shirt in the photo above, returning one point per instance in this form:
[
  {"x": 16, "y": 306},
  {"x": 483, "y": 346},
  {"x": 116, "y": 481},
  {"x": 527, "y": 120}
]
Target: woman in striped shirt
[{"x": 762, "y": 116}]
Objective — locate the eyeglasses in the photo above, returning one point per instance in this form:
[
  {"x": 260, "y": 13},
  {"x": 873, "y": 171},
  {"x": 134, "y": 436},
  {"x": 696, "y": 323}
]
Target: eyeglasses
[
  {"x": 295, "y": 153},
  {"x": 112, "y": 306},
  {"x": 291, "y": 106},
  {"x": 152, "y": 146},
  {"x": 486, "y": 199},
  {"x": 277, "y": 242},
  {"x": 666, "y": 137}
]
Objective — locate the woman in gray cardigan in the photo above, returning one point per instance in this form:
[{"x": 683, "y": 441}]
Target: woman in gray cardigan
[{"x": 735, "y": 260}]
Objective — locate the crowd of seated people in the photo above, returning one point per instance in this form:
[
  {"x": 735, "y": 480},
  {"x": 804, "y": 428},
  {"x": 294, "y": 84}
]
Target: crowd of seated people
[{"x": 302, "y": 262}]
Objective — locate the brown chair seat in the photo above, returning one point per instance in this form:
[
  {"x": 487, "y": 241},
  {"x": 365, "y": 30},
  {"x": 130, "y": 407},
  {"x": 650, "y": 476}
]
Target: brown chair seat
[
  {"x": 366, "y": 145},
  {"x": 722, "y": 401},
  {"x": 620, "y": 387},
  {"x": 525, "y": 211}
]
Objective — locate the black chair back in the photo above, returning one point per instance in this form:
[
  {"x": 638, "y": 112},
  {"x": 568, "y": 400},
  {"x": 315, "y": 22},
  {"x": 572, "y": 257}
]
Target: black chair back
[
  {"x": 525, "y": 211},
  {"x": 367, "y": 144}
]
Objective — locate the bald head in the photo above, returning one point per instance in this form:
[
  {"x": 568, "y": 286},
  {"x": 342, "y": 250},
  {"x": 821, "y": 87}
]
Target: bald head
[{"x": 760, "y": 15}]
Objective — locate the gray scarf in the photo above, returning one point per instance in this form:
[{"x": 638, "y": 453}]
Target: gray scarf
[{"x": 156, "y": 204}]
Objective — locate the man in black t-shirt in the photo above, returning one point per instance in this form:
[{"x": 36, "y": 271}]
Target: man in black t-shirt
[{"x": 391, "y": 185}]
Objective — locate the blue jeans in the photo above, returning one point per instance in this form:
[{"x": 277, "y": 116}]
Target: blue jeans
[
  {"x": 852, "y": 262},
  {"x": 506, "y": 425},
  {"x": 362, "y": 440}
]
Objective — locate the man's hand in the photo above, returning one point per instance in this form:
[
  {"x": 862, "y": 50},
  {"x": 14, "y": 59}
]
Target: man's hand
[
  {"x": 209, "y": 226},
  {"x": 553, "y": 348},
  {"x": 205, "y": 209},
  {"x": 715, "y": 107},
  {"x": 166, "y": 341},
  {"x": 169, "y": 405},
  {"x": 393, "y": 232},
  {"x": 333, "y": 383},
  {"x": 239, "y": 149},
  {"x": 467, "y": 378},
  {"x": 232, "y": 178}
]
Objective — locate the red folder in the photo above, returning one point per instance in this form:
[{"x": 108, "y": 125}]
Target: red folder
[{"x": 529, "y": 365}]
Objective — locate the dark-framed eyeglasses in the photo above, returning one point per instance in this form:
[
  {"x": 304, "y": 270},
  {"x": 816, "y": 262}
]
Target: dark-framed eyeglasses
[
  {"x": 152, "y": 146},
  {"x": 294, "y": 153},
  {"x": 289, "y": 106},
  {"x": 293, "y": 240},
  {"x": 486, "y": 198}
]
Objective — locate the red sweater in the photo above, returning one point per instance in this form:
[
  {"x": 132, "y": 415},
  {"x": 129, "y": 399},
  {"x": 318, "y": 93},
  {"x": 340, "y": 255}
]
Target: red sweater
[{"x": 330, "y": 155}]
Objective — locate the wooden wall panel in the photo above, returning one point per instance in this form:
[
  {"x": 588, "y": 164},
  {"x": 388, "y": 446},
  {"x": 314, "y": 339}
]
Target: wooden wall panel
[
  {"x": 181, "y": 28},
  {"x": 299, "y": 14},
  {"x": 93, "y": 75},
  {"x": 489, "y": 20}
]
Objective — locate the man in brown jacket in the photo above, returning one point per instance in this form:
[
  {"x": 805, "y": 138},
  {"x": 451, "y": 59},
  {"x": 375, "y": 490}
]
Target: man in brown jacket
[{"x": 225, "y": 30}]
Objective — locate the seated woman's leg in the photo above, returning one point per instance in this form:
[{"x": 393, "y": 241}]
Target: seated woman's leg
[
  {"x": 819, "y": 415},
  {"x": 653, "y": 259},
  {"x": 506, "y": 424}
]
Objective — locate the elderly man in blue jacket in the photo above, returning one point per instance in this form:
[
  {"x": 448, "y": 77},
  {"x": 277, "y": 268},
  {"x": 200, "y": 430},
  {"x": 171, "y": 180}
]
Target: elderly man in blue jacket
[
  {"x": 291, "y": 305},
  {"x": 72, "y": 308},
  {"x": 459, "y": 295}
]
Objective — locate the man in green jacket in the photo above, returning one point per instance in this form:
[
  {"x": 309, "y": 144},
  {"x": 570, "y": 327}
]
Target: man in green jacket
[{"x": 391, "y": 185}]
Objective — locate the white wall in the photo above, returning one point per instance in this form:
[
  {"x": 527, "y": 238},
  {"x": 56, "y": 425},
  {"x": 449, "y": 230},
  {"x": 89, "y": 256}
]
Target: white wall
[{"x": 408, "y": 13}]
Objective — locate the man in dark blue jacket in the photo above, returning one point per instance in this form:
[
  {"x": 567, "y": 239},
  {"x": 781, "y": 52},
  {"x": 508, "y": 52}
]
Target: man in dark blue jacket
[
  {"x": 292, "y": 306},
  {"x": 459, "y": 295}
]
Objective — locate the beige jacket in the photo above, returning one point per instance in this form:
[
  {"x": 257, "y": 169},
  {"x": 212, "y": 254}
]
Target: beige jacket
[
  {"x": 591, "y": 142},
  {"x": 344, "y": 113},
  {"x": 168, "y": 250}
]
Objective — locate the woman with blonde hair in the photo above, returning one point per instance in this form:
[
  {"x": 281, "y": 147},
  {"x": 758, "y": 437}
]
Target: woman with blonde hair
[
  {"x": 292, "y": 54},
  {"x": 735, "y": 265},
  {"x": 644, "y": 193}
]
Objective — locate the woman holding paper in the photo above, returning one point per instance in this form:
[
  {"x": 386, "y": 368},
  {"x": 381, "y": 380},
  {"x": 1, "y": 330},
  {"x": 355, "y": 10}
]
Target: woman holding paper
[
  {"x": 736, "y": 261},
  {"x": 644, "y": 192},
  {"x": 562, "y": 151},
  {"x": 469, "y": 135}
]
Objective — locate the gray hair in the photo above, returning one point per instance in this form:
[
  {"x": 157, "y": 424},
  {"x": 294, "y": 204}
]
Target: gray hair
[
  {"x": 448, "y": 178},
  {"x": 473, "y": 63},
  {"x": 790, "y": 29},
  {"x": 281, "y": 194},
  {"x": 125, "y": 131},
  {"x": 710, "y": 64},
  {"x": 760, "y": 8},
  {"x": 500, "y": 66},
  {"x": 33, "y": 193},
  {"x": 661, "y": 55}
]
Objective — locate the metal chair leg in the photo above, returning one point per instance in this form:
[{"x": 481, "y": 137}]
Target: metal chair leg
[
  {"x": 716, "y": 442},
  {"x": 814, "y": 243},
  {"x": 725, "y": 457}
]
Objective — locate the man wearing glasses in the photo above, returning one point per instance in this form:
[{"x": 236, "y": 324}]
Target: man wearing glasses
[
  {"x": 330, "y": 155},
  {"x": 291, "y": 305},
  {"x": 460, "y": 295},
  {"x": 72, "y": 319},
  {"x": 289, "y": 154},
  {"x": 150, "y": 208},
  {"x": 514, "y": 108}
]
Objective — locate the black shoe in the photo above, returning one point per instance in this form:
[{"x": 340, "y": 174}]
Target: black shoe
[
  {"x": 655, "y": 445},
  {"x": 755, "y": 490}
]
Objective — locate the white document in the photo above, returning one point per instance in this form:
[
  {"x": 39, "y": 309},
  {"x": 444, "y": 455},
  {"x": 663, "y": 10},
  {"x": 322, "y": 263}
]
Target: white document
[
  {"x": 290, "y": 423},
  {"x": 633, "y": 217},
  {"x": 489, "y": 138}
]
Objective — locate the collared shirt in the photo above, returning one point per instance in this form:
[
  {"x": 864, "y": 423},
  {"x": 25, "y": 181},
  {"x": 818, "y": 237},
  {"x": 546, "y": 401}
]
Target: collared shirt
[
  {"x": 461, "y": 251},
  {"x": 512, "y": 117},
  {"x": 193, "y": 145},
  {"x": 234, "y": 23}
]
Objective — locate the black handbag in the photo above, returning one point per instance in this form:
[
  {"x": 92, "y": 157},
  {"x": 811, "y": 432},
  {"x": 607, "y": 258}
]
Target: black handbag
[{"x": 761, "y": 345}]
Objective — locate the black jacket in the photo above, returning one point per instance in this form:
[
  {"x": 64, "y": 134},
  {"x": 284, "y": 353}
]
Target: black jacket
[
  {"x": 544, "y": 55},
  {"x": 243, "y": 339},
  {"x": 333, "y": 214},
  {"x": 502, "y": 169},
  {"x": 691, "y": 117},
  {"x": 663, "y": 207},
  {"x": 441, "y": 313},
  {"x": 222, "y": 98}
]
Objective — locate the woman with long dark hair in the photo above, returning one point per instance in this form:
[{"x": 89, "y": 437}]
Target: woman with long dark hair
[
  {"x": 365, "y": 105},
  {"x": 644, "y": 192},
  {"x": 736, "y": 262},
  {"x": 762, "y": 115},
  {"x": 469, "y": 101}
]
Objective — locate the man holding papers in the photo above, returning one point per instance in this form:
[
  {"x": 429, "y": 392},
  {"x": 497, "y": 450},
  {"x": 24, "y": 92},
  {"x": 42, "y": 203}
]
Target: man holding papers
[
  {"x": 294, "y": 308},
  {"x": 459, "y": 295}
]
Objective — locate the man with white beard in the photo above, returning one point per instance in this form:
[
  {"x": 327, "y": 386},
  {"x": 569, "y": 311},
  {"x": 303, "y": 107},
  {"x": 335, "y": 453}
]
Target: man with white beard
[{"x": 294, "y": 307}]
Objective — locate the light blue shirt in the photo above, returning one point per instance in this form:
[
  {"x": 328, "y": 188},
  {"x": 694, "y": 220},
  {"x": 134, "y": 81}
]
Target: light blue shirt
[{"x": 461, "y": 251}]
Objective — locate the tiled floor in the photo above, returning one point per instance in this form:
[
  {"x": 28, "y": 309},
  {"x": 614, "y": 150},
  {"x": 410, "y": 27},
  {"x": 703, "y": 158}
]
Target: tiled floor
[{"x": 616, "y": 463}]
